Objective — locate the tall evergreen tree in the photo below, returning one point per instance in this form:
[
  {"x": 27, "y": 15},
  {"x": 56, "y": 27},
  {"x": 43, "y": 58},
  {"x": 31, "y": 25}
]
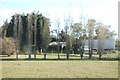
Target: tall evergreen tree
[
  {"x": 35, "y": 35},
  {"x": 45, "y": 34},
  {"x": 4, "y": 29},
  {"x": 30, "y": 33}
]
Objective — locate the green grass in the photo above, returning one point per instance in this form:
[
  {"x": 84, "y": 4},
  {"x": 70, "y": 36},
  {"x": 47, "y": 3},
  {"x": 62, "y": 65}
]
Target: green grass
[
  {"x": 60, "y": 69},
  {"x": 73, "y": 68}
]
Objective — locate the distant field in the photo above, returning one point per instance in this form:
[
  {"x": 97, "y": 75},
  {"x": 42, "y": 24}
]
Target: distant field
[{"x": 73, "y": 68}]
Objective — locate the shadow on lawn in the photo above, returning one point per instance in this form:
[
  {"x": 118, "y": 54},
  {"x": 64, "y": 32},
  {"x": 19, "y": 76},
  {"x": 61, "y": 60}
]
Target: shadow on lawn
[{"x": 61, "y": 59}]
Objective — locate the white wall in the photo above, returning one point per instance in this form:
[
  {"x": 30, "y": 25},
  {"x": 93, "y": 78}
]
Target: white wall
[{"x": 108, "y": 44}]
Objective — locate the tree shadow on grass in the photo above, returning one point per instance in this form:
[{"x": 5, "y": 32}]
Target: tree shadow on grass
[
  {"x": 61, "y": 59},
  {"x": 3, "y": 56}
]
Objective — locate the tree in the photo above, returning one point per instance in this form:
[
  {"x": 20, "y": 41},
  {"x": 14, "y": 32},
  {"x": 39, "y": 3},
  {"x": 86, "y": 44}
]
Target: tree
[
  {"x": 20, "y": 32},
  {"x": 103, "y": 33},
  {"x": 118, "y": 44},
  {"x": 30, "y": 33},
  {"x": 62, "y": 36},
  {"x": 17, "y": 30},
  {"x": 68, "y": 25},
  {"x": 58, "y": 39},
  {"x": 45, "y": 35},
  {"x": 16, "y": 33},
  {"x": 24, "y": 36},
  {"x": 4, "y": 29},
  {"x": 77, "y": 30},
  {"x": 22, "y": 28},
  {"x": 35, "y": 35},
  {"x": 90, "y": 24},
  {"x": 40, "y": 24},
  {"x": 7, "y": 46},
  {"x": 10, "y": 29}
]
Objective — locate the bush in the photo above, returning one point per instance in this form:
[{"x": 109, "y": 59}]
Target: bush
[
  {"x": 8, "y": 46},
  {"x": 113, "y": 51}
]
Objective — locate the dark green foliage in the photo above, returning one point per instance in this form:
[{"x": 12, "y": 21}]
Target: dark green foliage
[
  {"x": 24, "y": 38},
  {"x": 42, "y": 32},
  {"x": 113, "y": 51},
  {"x": 10, "y": 28},
  {"x": 62, "y": 35},
  {"x": 117, "y": 44}
]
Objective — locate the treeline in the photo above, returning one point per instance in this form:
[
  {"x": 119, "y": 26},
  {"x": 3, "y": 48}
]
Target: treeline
[
  {"x": 76, "y": 34},
  {"x": 31, "y": 32}
]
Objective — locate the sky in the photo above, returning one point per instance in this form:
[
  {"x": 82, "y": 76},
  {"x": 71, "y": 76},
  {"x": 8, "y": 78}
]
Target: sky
[{"x": 105, "y": 11}]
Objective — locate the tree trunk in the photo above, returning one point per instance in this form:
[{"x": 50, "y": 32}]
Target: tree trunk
[
  {"x": 100, "y": 55},
  {"x": 58, "y": 49},
  {"x": 81, "y": 55},
  {"x": 29, "y": 48},
  {"x": 67, "y": 55},
  {"x": 58, "y": 56},
  {"x": 92, "y": 45},
  {"x": 41, "y": 51},
  {"x": 16, "y": 34},
  {"x": 81, "y": 52},
  {"x": 35, "y": 36},
  {"x": 89, "y": 48},
  {"x": 16, "y": 53},
  {"x": 45, "y": 55}
]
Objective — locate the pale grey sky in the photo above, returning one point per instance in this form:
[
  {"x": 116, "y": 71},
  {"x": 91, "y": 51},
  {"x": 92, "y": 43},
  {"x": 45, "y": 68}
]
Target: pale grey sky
[{"x": 105, "y": 11}]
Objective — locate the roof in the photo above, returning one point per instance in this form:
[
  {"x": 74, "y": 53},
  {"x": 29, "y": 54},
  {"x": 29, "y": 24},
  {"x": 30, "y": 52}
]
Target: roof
[{"x": 56, "y": 43}]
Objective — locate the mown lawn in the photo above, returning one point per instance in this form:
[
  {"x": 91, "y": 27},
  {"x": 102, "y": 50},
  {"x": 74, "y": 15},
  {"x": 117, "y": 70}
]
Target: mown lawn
[
  {"x": 60, "y": 69},
  {"x": 73, "y": 68}
]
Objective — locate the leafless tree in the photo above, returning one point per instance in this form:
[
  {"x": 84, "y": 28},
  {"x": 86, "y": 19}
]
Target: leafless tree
[
  {"x": 68, "y": 29},
  {"x": 91, "y": 24},
  {"x": 102, "y": 34},
  {"x": 58, "y": 31}
]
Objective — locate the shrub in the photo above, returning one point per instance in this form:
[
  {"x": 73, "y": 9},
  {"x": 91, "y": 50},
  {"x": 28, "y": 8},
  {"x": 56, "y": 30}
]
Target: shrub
[
  {"x": 8, "y": 46},
  {"x": 113, "y": 51}
]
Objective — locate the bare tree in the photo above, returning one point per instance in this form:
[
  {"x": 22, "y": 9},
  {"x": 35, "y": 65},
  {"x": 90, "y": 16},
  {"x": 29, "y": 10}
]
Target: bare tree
[
  {"x": 68, "y": 26},
  {"x": 91, "y": 24},
  {"x": 84, "y": 32},
  {"x": 102, "y": 32},
  {"x": 58, "y": 31}
]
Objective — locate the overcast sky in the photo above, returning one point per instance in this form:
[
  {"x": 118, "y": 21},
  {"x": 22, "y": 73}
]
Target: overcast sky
[{"x": 105, "y": 11}]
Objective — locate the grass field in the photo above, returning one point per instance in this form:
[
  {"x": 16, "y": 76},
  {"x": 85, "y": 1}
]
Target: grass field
[{"x": 59, "y": 68}]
